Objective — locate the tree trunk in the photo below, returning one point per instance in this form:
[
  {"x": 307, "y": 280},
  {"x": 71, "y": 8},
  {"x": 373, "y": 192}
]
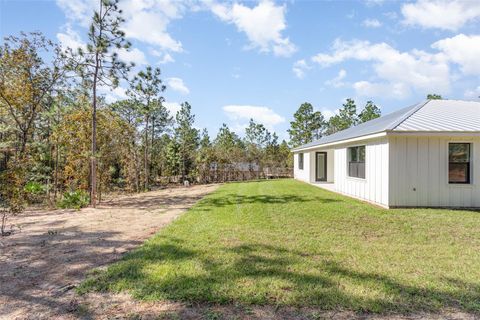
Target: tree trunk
[
  {"x": 23, "y": 143},
  {"x": 100, "y": 188},
  {"x": 183, "y": 162},
  {"x": 135, "y": 159},
  {"x": 55, "y": 181},
  {"x": 4, "y": 222},
  {"x": 151, "y": 151},
  {"x": 146, "y": 153},
  {"x": 93, "y": 163}
]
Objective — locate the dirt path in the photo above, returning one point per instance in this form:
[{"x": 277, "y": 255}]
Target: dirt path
[{"x": 42, "y": 263}]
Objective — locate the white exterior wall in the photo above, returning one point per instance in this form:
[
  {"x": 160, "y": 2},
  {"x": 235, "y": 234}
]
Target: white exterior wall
[
  {"x": 303, "y": 175},
  {"x": 375, "y": 187},
  {"x": 419, "y": 173},
  {"x": 330, "y": 165},
  {"x": 308, "y": 172}
]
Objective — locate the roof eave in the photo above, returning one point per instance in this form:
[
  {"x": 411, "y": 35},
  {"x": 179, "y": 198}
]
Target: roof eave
[{"x": 334, "y": 143}]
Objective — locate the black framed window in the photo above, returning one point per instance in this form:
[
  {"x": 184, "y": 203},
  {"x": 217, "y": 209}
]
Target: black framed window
[
  {"x": 300, "y": 161},
  {"x": 356, "y": 162},
  {"x": 459, "y": 162}
]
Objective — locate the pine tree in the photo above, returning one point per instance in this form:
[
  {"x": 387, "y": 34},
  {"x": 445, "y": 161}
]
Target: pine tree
[
  {"x": 434, "y": 96},
  {"x": 257, "y": 138},
  {"x": 205, "y": 155},
  {"x": 369, "y": 112},
  {"x": 187, "y": 138},
  {"x": 98, "y": 64},
  {"x": 306, "y": 126},
  {"x": 173, "y": 162},
  {"x": 145, "y": 89},
  {"x": 228, "y": 146},
  {"x": 346, "y": 118}
]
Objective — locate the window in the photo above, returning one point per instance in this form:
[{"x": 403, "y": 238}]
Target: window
[
  {"x": 459, "y": 162},
  {"x": 300, "y": 161},
  {"x": 356, "y": 162}
]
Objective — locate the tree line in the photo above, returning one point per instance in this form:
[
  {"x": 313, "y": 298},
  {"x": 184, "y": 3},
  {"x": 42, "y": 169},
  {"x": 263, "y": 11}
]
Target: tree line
[
  {"x": 309, "y": 125},
  {"x": 60, "y": 140}
]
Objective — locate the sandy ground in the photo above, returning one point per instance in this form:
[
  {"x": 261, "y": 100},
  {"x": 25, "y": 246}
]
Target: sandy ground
[{"x": 51, "y": 252}]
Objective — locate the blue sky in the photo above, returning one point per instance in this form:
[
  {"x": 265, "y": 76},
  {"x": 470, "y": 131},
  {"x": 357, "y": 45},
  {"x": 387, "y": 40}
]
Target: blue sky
[{"x": 237, "y": 60}]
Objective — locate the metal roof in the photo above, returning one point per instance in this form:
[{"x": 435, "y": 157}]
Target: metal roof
[
  {"x": 444, "y": 116},
  {"x": 430, "y": 115}
]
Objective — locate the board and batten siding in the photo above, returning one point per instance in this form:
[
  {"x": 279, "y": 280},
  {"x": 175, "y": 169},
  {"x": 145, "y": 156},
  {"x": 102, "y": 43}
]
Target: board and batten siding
[
  {"x": 375, "y": 187},
  {"x": 419, "y": 173},
  {"x": 302, "y": 174},
  {"x": 308, "y": 172},
  {"x": 330, "y": 165}
]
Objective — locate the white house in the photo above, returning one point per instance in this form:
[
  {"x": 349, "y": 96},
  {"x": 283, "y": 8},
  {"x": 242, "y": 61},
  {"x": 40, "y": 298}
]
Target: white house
[{"x": 426, "y": 155}]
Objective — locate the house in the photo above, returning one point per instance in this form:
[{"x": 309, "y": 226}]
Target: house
[{"x": 425, "y": 155}]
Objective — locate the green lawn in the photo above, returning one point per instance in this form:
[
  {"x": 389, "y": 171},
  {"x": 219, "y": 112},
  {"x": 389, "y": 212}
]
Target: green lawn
[{"x": 291, "y": 244}]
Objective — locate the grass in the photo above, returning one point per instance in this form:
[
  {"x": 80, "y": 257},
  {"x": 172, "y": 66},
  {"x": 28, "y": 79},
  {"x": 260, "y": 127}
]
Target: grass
[{"x": 286, "y": 243}]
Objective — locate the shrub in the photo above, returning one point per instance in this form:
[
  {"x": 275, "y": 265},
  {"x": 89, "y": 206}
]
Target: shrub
[
  {"x": 74, "y": 200},
  {"x": 34, "y": 188},
  {"x": 34, "y": 191},
  {"x": 12, "y": 195}
]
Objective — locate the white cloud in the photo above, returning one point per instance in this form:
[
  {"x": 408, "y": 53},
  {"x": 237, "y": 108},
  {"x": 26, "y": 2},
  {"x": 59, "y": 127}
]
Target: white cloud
[
  {"x": 148, "y": 21},
  {"x": 473, "y": 93},
  {"x": 337, "y": 82},
  {"x": 172, "y": 107},
  {"x": 133, "y": 55},
  {"x": 243, "y": 113},
  {"x": 391, "y": 15},
  {"x": 369, "y": 89},
  {"x": 112, "y": 95},
  {"x": 328, "y": 113},
  {"x": 300, "y": 67},
  {"x": 446, "y": 15},
  {"x": 69, "y": 38},
  {"x": 263, "y": 25},
  {"x": 371, "y": 23},
  {"x": 145, "y": 20},
  {"x": 463, "y": 50},
  {"x": 399, "y": 71},
  {"x": 178, "y": 85},
  {"x": 78, "y": 10},
  {"x": 164, "y": 57}
]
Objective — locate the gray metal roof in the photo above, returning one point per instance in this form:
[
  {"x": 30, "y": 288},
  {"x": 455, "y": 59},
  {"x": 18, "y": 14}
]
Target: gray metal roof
[
  {"x": 430, "y": 115},
  {"x": 444, "y": 115}
]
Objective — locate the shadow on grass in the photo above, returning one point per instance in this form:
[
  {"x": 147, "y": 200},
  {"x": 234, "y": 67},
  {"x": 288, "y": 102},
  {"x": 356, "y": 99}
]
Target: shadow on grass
[
  {"x": 231, "y": 199},
  {"x": 270, "y": 275}
]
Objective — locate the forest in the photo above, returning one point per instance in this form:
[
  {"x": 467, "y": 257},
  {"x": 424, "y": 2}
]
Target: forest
[{"x": 63, "y": 145}]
